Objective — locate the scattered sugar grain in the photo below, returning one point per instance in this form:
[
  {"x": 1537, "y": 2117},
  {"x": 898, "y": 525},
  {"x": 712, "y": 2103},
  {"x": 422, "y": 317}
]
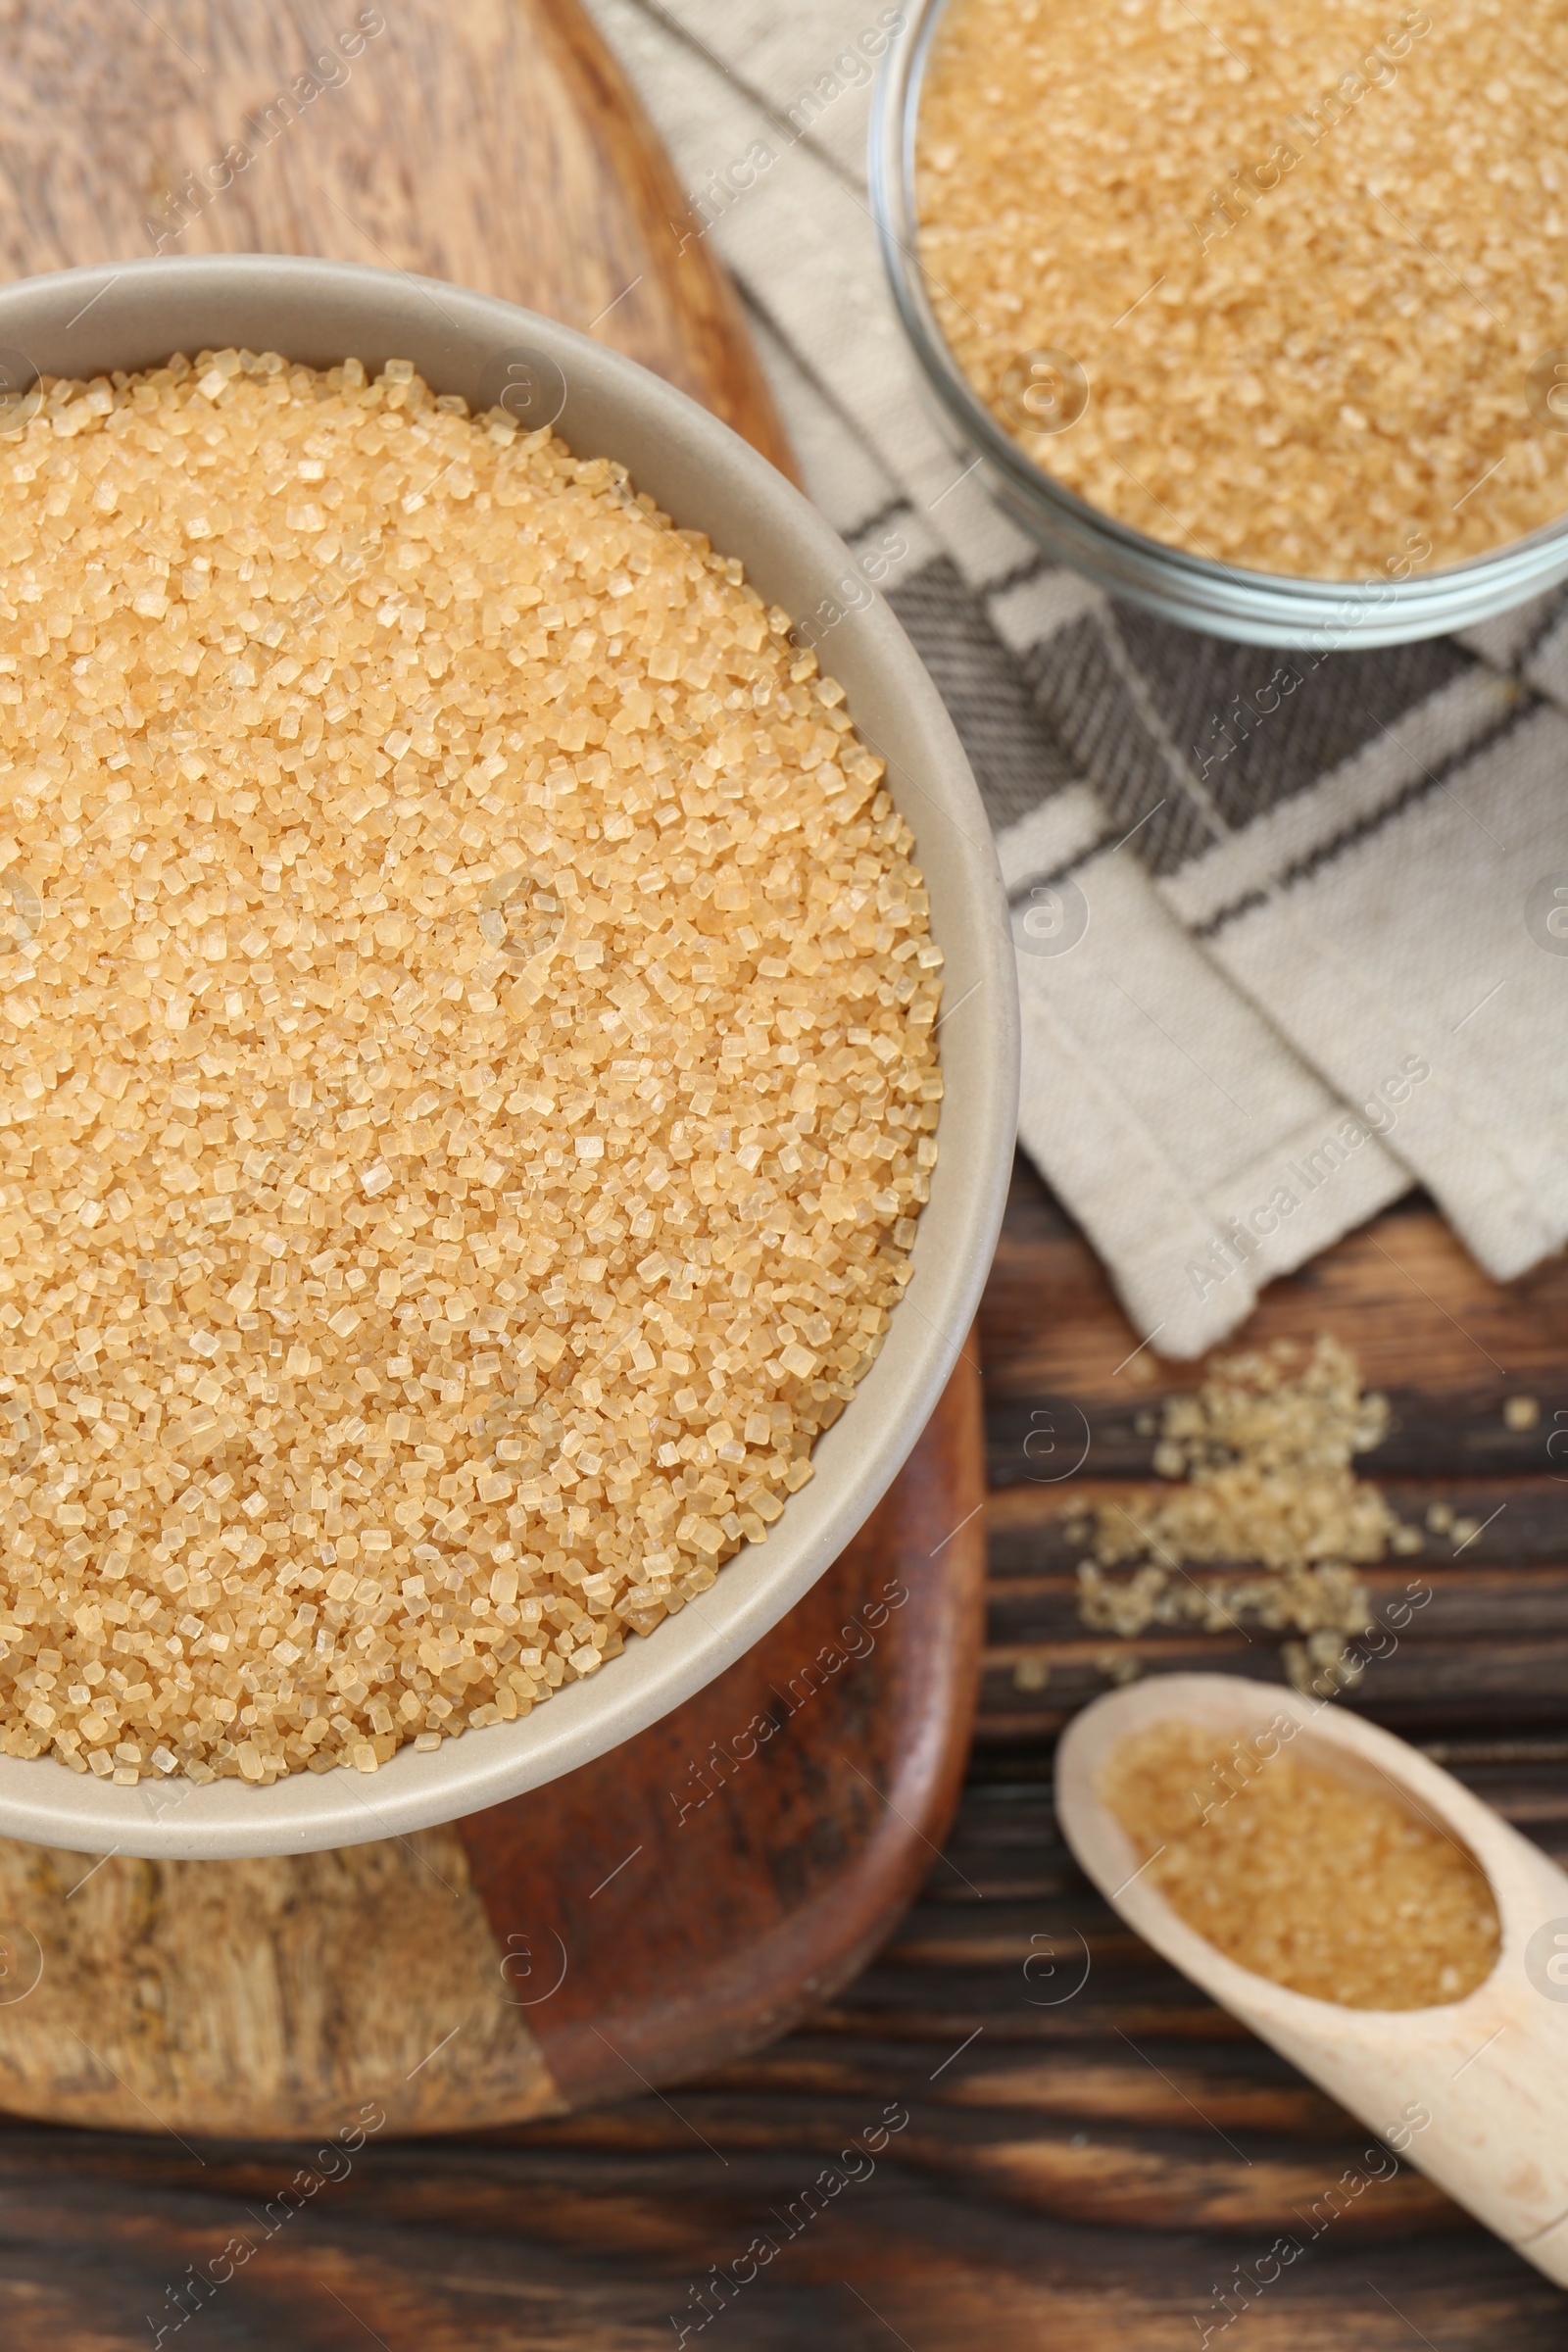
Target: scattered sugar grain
[{"x": 1259, "y": 1460}]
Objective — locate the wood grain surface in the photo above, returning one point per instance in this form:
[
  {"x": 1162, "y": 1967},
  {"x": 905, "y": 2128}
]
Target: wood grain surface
[
  {"x": 495, "y": 144},
  {"x": 183, "y": 1995},
  {"x": 1014, "y": 2128}
]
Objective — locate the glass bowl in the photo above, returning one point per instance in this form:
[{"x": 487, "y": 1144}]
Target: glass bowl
[{"x": 1255, "y": 607}]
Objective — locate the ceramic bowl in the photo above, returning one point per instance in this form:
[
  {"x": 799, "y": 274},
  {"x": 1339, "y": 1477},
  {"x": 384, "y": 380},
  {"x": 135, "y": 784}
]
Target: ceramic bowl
[{"x": 89, "y": 322}]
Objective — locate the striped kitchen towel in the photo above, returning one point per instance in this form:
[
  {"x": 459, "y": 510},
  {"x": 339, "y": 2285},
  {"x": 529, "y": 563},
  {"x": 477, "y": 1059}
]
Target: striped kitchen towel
[{"x": 1293, "y": 928}]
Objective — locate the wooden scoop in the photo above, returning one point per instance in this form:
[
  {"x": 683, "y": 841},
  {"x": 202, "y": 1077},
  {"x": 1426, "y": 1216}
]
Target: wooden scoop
[{"x": 1489, "y": 2071}]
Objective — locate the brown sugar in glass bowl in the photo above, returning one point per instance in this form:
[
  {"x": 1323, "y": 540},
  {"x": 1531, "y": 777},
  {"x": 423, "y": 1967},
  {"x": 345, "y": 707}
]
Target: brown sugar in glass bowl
[
  {"x": 1243, "y": 305},
  {"x": 467, "y": 1075}
]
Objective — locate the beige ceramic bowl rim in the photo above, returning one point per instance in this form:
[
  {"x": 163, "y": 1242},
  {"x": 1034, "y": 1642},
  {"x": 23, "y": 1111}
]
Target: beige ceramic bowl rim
[{"x": 85, "y": 322}]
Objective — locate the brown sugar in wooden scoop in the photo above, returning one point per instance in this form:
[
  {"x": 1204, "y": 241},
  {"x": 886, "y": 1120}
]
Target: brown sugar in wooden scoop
[{"x": 1331, "y": 1888}]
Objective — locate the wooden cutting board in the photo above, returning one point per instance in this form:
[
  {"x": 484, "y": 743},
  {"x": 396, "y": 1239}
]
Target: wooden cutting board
[
  {"x": 684, "y": 1900},
  {"x": 496, "y": 144},
  {"x": 677, "y": 1903}
]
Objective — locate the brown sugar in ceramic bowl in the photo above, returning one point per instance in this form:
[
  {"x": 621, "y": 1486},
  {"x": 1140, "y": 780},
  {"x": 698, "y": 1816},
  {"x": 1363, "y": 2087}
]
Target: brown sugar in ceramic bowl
[{"x": 90, "y": 323}]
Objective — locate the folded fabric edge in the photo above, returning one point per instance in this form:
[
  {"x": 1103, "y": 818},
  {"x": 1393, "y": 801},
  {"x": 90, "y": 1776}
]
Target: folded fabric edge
[{"x": 1188, "y": 1278}]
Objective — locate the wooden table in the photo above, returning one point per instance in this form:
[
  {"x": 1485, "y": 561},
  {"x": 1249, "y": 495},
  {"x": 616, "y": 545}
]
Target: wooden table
[
  {"x": 1090, "y": 2146},
  {"x": 1015, "y": 2130}
]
